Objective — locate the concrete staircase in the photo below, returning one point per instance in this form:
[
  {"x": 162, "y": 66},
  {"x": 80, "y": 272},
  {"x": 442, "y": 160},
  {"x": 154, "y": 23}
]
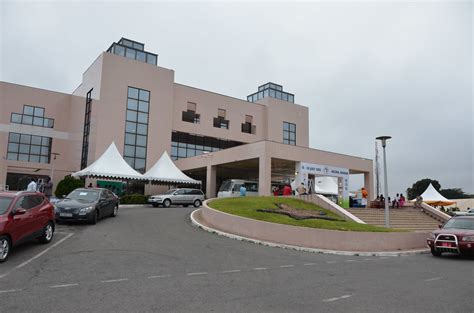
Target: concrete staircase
[{"x": 407, "y": 218}]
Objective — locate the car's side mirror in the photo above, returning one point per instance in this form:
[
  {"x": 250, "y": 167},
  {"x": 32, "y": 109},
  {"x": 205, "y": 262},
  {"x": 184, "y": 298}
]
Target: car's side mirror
[{"x": 19, "y": 211}]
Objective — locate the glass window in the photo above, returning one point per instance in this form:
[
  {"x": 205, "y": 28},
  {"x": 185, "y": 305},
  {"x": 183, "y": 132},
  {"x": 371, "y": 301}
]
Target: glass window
[
  {"x": 45, "y": 141},
  {"x": 29, "y": 110},
  {"x": 143, "y": 106},
  {"x": 16, "y": 118},
  {"x": 141, "y": 56},
  {"x": 119, "y": 50},
  {"x": 292, "y": 127},
  {"x": 278, "y": 95},
  {"x": 131, "y": 116},
  {"x": 140, "y": 165},
  {"x": 12, "y": 156},
  {"x": 39, "y": 112},
  {"x": 132, "y": 104},
  {"x": 181, "y": 152},
  {"x": 34, "y": 158},
  {"x": 130, "y": 53},
  {"x": 129, "y": 139},
  {"x": 129, "y": 151},
  {"x": 25, "y": 139},
  {"x": 23, "y": 157},
  {"x": 45, "y": 151},
  {"x": 142, "y": 118},
  {"x": 142, "y": 129},
  {"x": 38, "y": 121},
  {"x": 140, "y": 152},
  {"x": 291, "y": 98},
  {"x": 130, "y": 161},
  {"x": 27, "y": 119},
  {"x": 151, "y": 59},
  {"x": 47, "y": 122},
  {"x": 24, "y": 148},
  {"x": 272, "y": 93},
  {"x": 12, "y": 147},
  {"x": 130, "y": 127},
  {"x": 14, "y": 137},
  {"x": 144, "y": 95},
  {"x": 127, "y": 43},
  {"x": 138, "y": 46},
  {"x": 132, "y": 92},
  {"x": 36, "y": 140},
  {"x": 44, "y": 159},
  {"x": 141, "y": 141},
  {"x": 286, "y": 126}
]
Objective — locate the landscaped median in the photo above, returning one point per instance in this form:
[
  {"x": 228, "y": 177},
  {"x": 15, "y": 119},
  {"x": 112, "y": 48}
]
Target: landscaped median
[{"x": 301, "y": 224}]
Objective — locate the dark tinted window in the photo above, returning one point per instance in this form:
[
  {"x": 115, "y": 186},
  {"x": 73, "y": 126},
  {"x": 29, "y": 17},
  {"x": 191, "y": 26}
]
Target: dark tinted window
[
  {"x": 4, "y": 204},
  {"x": 180, "y": 192},
  {"x": 195, "y": 192},
  {"x": 33, "y": 201}
]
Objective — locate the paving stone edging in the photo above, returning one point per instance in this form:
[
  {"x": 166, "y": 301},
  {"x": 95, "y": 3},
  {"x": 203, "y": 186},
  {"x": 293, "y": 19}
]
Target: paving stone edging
[{"x": 196, "y": 223}]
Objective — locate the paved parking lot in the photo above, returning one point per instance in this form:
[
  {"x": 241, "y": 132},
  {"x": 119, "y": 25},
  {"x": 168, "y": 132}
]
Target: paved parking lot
[{"x": 152, "y": 260}]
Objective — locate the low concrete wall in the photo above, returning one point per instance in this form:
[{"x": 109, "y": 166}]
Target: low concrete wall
[
  {"x": 435, "y": 213},
  {"x": 327, "y": 204},
  {"x": 311, "y": 237}
]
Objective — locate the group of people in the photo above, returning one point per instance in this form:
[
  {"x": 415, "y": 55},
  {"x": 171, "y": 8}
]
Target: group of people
[
  {"x": 397, "y": 202},
  {"x": 286, "y": 190},
  {"x": 45, "y": 186}
]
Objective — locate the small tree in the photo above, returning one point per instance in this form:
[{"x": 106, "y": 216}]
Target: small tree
[
  {"x": 420, "y": 186},
  {"x": 67, "y": 185}
]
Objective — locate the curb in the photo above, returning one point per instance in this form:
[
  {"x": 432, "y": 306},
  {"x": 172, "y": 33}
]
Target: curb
[{"x": 305, "y": 249}]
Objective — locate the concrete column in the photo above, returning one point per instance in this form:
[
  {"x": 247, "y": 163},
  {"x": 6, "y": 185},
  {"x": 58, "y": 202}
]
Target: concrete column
[
  {"x": 211, "y": 181},
  {"x": 369, "y": 186},
  {"x": 3, "y": 171},
  {"x": 264, "y": 176}
]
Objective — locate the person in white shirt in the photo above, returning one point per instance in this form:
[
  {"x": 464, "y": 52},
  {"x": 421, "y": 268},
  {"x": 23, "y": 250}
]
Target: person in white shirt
[{"x": 32, "y": 185}]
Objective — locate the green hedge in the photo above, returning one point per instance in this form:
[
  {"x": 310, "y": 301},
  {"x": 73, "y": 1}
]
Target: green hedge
[
  {"x": 67, "y": 185},
  {"x": 133, "y": 199}
]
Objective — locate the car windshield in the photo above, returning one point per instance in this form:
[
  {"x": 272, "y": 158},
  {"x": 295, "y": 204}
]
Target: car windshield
[
  {"x": 459, "y": 223},
  {"x": 84, "y": 195},
  {"x": 4, "y": 204},
  {"x": 226, "y": 185},
  {"x": 170, "y": 191}
]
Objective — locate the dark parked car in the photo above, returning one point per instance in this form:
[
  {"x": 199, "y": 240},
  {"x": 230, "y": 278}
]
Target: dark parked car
[
  {"x": 87, "y": 204},
  {"x": 24, "y": 216},
  {"x": 456, "y": 236},
  {"x": 184, "y": 196}
]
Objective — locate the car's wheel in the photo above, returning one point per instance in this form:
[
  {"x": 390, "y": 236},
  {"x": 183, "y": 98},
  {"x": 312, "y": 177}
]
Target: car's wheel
[
  {"x": 115, "y": 211},
  {"x": 48, "y": 233},
  {"x": 155, "y": 205},
  {"x": 94, "y": 218},
  {"x": 167, "y": 203},
  {"x": 197, "y": 203},
  {"x": 5, "y": 247},
  {"x": 434, "y": 252}
]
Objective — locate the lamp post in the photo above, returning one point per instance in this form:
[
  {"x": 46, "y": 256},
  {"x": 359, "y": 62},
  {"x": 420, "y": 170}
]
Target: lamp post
[{"x": 384, "y": 139}]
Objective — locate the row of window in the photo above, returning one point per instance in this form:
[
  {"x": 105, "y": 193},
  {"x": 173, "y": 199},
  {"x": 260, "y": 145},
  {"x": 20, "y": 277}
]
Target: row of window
[
  {"x": 29, "y": 148},
  {"x": 184, "y": 145},
  {"x": 136, "y": 128},
  {"x": 86, "y": 129},
  {"x": 281, "y": 95},
  {"x": 289, "y": 133},
  {"x": 134, "y": 54},
  {"x": 32, "y": 115}
]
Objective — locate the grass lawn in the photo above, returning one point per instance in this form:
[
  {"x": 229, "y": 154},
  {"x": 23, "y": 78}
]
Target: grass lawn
[{"x": 247, "y": 207}]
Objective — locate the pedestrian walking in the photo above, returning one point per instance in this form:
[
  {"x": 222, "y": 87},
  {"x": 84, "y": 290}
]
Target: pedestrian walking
[
  {"x": 48, "y": 188},
  {"x": 32, "y": 186}
]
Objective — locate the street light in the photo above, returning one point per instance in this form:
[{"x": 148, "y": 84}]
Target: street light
[{"x": 384, "y": 143}]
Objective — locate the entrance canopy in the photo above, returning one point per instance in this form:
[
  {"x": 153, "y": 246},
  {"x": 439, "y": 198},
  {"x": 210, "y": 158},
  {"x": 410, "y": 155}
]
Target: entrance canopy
[
  {"x": 432, "y": 197},
  {"x": 110, "y": 165},
  {"x": 165, "y": 171}
]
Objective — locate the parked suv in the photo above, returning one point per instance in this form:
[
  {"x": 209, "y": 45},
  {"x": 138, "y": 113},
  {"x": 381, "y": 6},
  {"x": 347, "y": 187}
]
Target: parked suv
[
  {"x": 184, "y": 196},
  {"x": 24, "y": 216},
  {"x": 456, "y": 236}
]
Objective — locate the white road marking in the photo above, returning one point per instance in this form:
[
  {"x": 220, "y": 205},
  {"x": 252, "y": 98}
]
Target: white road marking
[
  {"x": 114, "y": 280},
  {"x": 196, "y": 274},
  {"x": 9, "y": 291},
  {"x": 231, "y": 271},
  {"x": 434, "y": 278},
  {"x": 285, "y": 266},
  {"x": 337, "y": 298},
  {"x": 309, "y": 264},
  {"x": 63, "y": 286},
  {"x": 384, "y": 258},
  {"x": 351, "y": 260},
  {"x": 368, "y": 259},
  {"x": 158, "y": 276},
  {"x": 36, "y": 256},
  {"x": 331, "y": 262},
  {"x": 260, "y": 268}
]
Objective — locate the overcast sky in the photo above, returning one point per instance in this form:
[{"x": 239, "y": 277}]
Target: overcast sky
[{"x": 364, "y": 69}]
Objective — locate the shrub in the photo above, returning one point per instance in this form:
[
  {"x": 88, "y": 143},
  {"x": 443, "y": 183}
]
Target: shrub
[
  {"x": 67, "y": 185},
  {"x": 134, "y": 199}
]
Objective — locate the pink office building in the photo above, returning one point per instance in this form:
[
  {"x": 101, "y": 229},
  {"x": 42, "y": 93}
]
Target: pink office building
[{"x": 126, "y": 98}]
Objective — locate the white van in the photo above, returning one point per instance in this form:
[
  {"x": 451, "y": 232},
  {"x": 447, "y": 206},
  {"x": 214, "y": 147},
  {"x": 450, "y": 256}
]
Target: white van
[{"x": 231, "y": 188}]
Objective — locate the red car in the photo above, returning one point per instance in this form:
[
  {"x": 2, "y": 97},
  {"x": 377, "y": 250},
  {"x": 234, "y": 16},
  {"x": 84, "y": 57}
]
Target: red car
[
  {"x": 456, "y": 236},
  {"x": 24, "y": 216}
]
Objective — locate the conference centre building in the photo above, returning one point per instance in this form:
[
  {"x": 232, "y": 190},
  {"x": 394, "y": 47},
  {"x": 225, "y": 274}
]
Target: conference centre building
[{"x": 126, "y": 98}]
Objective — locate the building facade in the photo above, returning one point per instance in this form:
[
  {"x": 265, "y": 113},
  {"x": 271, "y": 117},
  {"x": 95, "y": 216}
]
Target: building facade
[{"x": 126, "y": 98}]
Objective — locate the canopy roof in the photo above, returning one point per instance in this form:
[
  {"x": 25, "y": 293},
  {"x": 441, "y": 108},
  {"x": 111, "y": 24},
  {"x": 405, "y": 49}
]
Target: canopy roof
[
  {"x": 165, "y": 171},
  {"x": 110, "y": 165},
  {"x": 432, "y": 197}
]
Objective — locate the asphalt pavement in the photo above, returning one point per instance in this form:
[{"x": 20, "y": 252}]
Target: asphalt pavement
[{"x": 153, "y": 260}]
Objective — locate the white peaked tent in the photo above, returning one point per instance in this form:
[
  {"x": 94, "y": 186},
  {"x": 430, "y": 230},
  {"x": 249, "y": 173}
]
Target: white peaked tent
[
  {"x": 432, "y": 197},
  {"x": 326, "y": 185},
  {"x": 110, "y": 165},
  {"x": 165, "y": 171}
]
